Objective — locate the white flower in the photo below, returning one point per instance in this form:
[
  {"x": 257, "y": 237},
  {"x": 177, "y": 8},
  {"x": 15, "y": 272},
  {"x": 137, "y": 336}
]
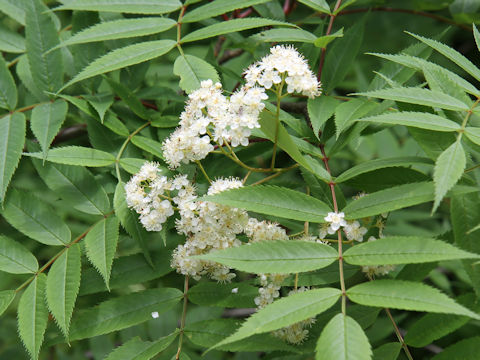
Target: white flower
[
  {"x": 354, "y": 231},
  {"x": 336, "y": 221},
  {"x": 155, "y": 315},
  {"x": 235, "y": 291}
]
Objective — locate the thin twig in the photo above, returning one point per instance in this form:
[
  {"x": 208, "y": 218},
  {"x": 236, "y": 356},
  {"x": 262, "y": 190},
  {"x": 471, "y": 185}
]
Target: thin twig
[{"x": 329, "y": 30}]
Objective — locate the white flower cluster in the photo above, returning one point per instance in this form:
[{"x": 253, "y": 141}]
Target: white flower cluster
[
  {"x": 145, "y": 193},
  {"x": 284, "y": 62},
  {"x": 379, "y": 270},
  {"x": 209, "y": 113},
  {"x": 352, "y": 229},
  {"x": 296, "y": 333},
  {"x": 264, "y": 230},
  {"x": 270, "y": 289}
]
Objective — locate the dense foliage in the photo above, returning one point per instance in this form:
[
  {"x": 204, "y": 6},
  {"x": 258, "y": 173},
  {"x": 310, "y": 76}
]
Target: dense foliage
[{"x": 274, "y": 179}]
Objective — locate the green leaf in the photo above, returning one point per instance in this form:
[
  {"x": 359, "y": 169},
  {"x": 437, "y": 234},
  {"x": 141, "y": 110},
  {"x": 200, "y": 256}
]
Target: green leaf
[
  {"x": 451, "y": 54},
  {"x": 14, "y": 9},
  {"x": 227, "y": 27},
  {"x": 76, "y": 155},
  {"x": 273, "y": 200},
  {"x": 406, "y": 295},
  {"x": 25, "y": 75},
  {"x": 131, "y": 165},
  {"x": 28, "y": 214},
  {"x": 466, "y": 349},
  {"x": 46, "y": 121},
  {"x": 473, "y": 134},
  {"x": 415, "y": 119},
  {"x": 33, "y": 315},
  {"x": 320, "y": 110},
  {"x": 122, "y": 312},
  {"x": 15, "y": 258},
  {"x": 129, "y": 220},
  {"x": 132, "y": 101},
  {"x": 63, "y": 283},
  {"x": 268, "y": 124},
  {"x": 12, "y": 138},
  {"x": 394, "y": 198},
  {"x": 404, "y": 250},
  {"x": 127, "y": 270},
  {"x": 476, "y": 35},
  {"x": 41, "y": 35},
  {"x": 119, "y": 29},
  {"x": 123, "y": 57},
  {"x": 343, "y": 339},
  {"x": 217, "y": 7},
  {"x": 348, "y": 112},
  {"x": 318, "y": 170},
  {"x": 285, "y": 312},
  {"x": 276, "y": 257},
  {"x": 136, "y": 349},
  {"x": 101, "y": 103},
  {"x": 319, "y": 5},
  {"x": 285, "y": 35},
  {"x": 215, "y": 294},
  {"x": 372, "y": 165},
  {"x": 11, "y": 42},
  {"x": 101, "y": 245},
  {"x": 323, "y": 41},
  {"x": 448, "y": 170},
  {"x": 76, "y": 185},
  {"x": 6, "y": 298},
  {"x": 149, "y": 145},
  {"x": 341, "y": 55},
  {"x": 388, "y": 351},
  {"x": 192, "y": 70},
  {"x": 8, "y": 90},
  {"x": 124, "y": 6},
  {"x": 419, "y": 96}
]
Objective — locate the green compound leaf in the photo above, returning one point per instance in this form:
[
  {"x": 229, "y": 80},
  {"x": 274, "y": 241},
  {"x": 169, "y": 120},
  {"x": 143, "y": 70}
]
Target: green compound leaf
[
  {"x": 372, "y": 165},
  {"x": 319, "y": 5},
  {"x": 418, "y": 96},
  {"x": 217, "y": 7},
  {"x": 415, "y": 119},
  {"x": 31, "y": 216},
  {"x": 473, "y": 134},
  {"x": 285, "y": 312},
  {"x": 278, "y": 257},
  {"x": 320, "y": 110},
  {"x": 192, "y": 70},
  {"x": 15, "y": 258},
  {"x": 451, "y": 54},
  {"x": 349, "y": 111},
  {"x": 11, "y": 42},
  {"x": 124, "y": 6},
  {"x": 285, "y": 35},
  {"x": 46, "y": 121},
  {"x": 406, "y": 295},
  {"x": 119, "y": 29},
  {"x": 8, "y": 89},
  {"x": 41, "y": 36},
  {"x": 273, "y": 200},
  {"x": 101, "y": 244},
  {"x": 123, "y": 57},
  {"x": 76, "y": 155},
  {"x": 129, "y": 220},
  {"x": 122, "y": 312},
  {"x": 12, "y": 139},
  {"x": 343, "y": 339},
  {"x": 227, "y": 27},
  {"x": 33, "y": 316},
  {"x": 63, "y": 283},
  {"x": 6, "y": 298},
  {"x": 394, "y": 198},
  {"x": 404, "y": 250},
  {"x": 448, "y": 170},
  {"x": 466, "y": 349},
  {"x": 149, "y": 145},
  {"x": 76, "y": 185},
  {"x": 285, "y": 142},
  {"x": 136, "y": 349}
]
